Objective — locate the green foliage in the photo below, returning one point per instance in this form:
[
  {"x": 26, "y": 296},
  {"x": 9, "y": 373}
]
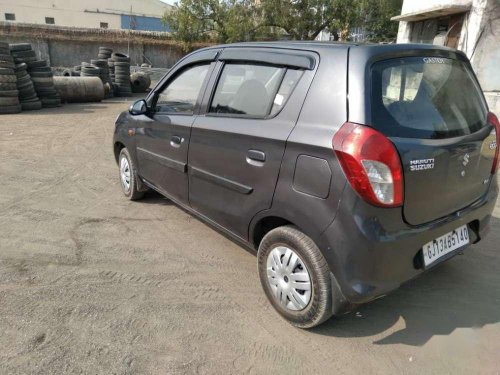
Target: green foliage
[{"x": 227, "y": 21}]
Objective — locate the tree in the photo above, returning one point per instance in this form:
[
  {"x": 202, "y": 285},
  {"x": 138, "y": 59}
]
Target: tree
[
  {"x": 228, "y": 21},
  {"x": 213, "y": 20}
]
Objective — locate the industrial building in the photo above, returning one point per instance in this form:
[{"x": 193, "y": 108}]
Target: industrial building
[
  {"x": 472, "y": 26},
  {"x": 143, "y": 15}
]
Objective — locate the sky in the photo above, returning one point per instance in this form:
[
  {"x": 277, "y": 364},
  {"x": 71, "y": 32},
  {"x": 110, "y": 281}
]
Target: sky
[{"x": 171, "y": 2}]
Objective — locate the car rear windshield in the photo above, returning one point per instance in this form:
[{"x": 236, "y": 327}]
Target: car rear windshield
[{"x": 426, "y": 97}]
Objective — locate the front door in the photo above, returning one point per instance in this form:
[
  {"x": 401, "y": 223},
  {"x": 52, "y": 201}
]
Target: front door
[
  {"x": 162, "y": 141},
  {"x": 237, "y": 146}
]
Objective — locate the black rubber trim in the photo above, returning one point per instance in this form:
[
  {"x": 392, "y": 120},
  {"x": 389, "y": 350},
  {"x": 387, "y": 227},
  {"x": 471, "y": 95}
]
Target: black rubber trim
[
  {"x": 261, "y": 55},
  {"x": 229, "y": 184},
  {"x": 163, "y": 160}
]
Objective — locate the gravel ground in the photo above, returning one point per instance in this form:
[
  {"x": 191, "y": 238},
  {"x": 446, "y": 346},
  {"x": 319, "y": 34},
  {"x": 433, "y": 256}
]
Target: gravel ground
[{"x": 91, "y": 283}]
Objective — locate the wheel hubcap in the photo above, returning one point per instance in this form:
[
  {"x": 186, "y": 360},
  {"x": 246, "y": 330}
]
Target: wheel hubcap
[
  {"x": 125, "y": 173},
  {"x": 288, "y": 278}
]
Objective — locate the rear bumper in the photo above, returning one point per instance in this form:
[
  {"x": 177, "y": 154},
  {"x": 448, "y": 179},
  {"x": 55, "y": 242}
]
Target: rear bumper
[{"x": 372, "y": 251}]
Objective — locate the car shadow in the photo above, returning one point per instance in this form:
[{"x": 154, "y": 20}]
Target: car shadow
[
  {"x": 152, "y": 197},
  {"x": 461, "y": 293}
]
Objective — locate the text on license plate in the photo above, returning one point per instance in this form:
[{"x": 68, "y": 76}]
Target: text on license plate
[{"x": 445, "y": 244}]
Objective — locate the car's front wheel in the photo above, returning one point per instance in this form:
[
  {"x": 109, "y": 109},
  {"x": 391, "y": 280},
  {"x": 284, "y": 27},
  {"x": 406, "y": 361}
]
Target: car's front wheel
[
  {"x": 128, "y": 176},
  {"x": 295, "y": 277}
]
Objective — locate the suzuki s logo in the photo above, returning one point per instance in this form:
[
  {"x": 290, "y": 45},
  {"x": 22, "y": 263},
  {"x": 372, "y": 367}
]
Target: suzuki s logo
[{"x": 466, "y": 160}]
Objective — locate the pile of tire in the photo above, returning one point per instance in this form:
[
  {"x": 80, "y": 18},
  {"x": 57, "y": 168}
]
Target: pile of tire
[
  {"x": 89, "y": 70},
  {"x": 40, "y": 72},
  {"x": 43, "y": 80},
  {"x": 9, "y": 100},
  {"x": 27, "y": 95},
  {"x": 111, "y": 66},
  {"x": 102, "y": 64},
  {"x": 105, "y": 53},
  {"x": 122, "y": 74},
  {"x": 140, "y": 82}
]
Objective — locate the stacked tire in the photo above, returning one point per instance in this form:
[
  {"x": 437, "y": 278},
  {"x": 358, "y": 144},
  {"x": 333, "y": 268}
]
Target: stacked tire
[
  {"x": 40, "y": 72},
  {"x": 102, "y": 64},
  {"x": 43, "y": 80},
  {"x": 89, "y": 70},
  {"x": 9, "y": 100},
  {"x": 122, "y": 74},
  {"x": 111, "y": 66},
  {"x": 105, "y": 53},
  {"x": 27, "y": 95}
]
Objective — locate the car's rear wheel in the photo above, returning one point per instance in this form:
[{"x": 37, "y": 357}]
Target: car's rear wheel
[
  {"x": 295, "y": 277},
  {"x": 128, "y": 176}
]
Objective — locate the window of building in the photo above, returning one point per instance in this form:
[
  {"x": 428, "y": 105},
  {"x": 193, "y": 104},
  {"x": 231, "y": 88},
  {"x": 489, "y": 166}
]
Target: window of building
[
  {"x": 50, "y": 20},
  {"x": 246, "y": 89},
  {"x": 10, "y": 17},
  {"x": 104, "y": 25},
  {"x": 181, "y": 94},
  {"x": 443, "y": 31}
]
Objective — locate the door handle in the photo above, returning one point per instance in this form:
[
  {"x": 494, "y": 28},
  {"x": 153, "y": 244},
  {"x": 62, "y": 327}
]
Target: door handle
[
  {"x": 176, "y": 141},
  {"x": 256, "y": 157}
]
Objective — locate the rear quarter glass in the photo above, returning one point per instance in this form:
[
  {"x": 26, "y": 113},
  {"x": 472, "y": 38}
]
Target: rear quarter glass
[{"x": 426, "y": 97}]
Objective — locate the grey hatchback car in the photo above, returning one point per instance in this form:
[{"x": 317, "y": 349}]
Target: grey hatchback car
[{"x": 350, "y": 168}]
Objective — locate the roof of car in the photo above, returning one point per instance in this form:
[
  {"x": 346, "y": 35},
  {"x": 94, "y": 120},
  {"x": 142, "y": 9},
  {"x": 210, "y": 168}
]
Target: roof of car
[{"x": 321, "y": 46}]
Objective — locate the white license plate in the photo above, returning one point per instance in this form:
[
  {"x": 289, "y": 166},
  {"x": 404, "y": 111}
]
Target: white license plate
[{"x": 445, "y": 244}]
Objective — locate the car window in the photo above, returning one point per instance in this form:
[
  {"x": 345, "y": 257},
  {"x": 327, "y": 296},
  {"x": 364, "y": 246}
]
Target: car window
[
  {"x": 290, "y": 80},
  {"x": 181, "y": 94},
  {"x": 426, "y": 97},
  {"x": 247, "y": 89}
]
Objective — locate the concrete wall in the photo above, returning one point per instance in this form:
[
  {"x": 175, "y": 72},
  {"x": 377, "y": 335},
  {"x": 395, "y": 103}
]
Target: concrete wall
[
  {"x": 67, "y": 47},
  {"x": 69, "y": 53},
  {"x": 82, "y": 13}
]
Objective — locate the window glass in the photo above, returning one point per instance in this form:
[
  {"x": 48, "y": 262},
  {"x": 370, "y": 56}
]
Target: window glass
[
  {"x": 49, "y": 20},
  {"x": 290, "y": 80},
  {"x": 104, "y": 25},
  {"x": 181, "y": 94},
  {"x": 10, "y": 17},
  {"x": 426, "y": 97},
  {"x": 246, "y": 89}
]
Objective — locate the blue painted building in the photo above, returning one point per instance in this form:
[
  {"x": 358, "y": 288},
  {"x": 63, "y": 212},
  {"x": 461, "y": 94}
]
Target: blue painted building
[{"x": 143, "y": 23}]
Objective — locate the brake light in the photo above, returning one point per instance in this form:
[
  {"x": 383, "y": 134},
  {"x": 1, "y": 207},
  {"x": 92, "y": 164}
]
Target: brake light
[
  {"x": 493, "y": 120},
  {"x": 371, "y": 164}
]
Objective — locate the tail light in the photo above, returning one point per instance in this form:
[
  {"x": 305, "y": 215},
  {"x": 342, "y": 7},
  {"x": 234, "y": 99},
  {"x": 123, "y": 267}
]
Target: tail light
[
  {"x": 371, "y": 164},
  {"x": 493, "y": 120}
]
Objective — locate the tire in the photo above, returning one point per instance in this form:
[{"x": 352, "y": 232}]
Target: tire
[
  {"x": 5, "y": 110},
  {"x": 7, "y": 64},
  {"x": 7, "y": 71},
  {"x": 120, "y": 57},
  {"x": 8, "y": 86},
  {"x": 37, "y": 64},
  {"x": 9, "y": 93},
  {"x": 311, "y": 309},
  {"x": 20, "y": 47},
  {"x": 132, "y": 191},
  {"x": 10, "y": 101},
  {"x": 8, "y": 78},
  {"x": 6, "y": 57},
  {"x": 21, "y": 67},
  {"x": 31, "y": 106},
  {"x": 23, "y": 54}
]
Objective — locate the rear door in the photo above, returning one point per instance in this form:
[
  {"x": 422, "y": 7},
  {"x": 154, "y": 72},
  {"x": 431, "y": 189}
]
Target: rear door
[
  {"x": 237, "y": 146},
  {"x": 434, "y": 112}
]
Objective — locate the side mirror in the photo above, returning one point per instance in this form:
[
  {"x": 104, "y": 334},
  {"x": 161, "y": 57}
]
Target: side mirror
[{"x": 140, "y": 107}]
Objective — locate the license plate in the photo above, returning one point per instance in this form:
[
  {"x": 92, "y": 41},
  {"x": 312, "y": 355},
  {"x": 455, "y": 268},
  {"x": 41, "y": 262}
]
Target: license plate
[{"x": 445, "y": 244}]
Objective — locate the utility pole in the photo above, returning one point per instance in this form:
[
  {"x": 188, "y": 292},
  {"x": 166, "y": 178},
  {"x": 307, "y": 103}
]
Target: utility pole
[{"x": 129, "y": 30}]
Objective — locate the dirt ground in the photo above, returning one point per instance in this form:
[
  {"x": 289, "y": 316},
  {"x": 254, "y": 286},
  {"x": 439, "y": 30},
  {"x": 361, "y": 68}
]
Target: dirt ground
[{"x": 91, "y": 283}]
